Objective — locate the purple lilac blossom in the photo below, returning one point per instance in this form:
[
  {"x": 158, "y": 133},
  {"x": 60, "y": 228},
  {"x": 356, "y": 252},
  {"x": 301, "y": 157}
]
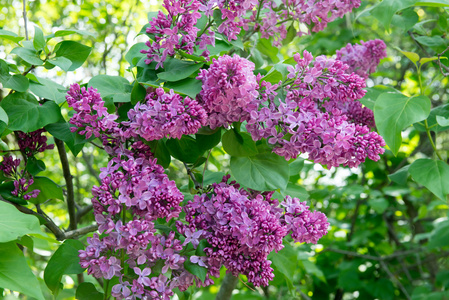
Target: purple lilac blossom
[
  {"x": 174, "y": 31},
  {"x": 363, "y": 59},
  {"x": 91, "y": 116},
  {"x": 242, "y": 228},
  {"x": 229, "y": 90},
  {"x": 33, "y": 142},
  {"x": 164, "y": 115},
  {"x": 22, "y": 182},
  {"x": 311, "y": 119}
]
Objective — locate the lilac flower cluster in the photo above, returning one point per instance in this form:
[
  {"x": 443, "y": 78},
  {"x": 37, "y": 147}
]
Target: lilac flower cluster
[
  {"x": 134, "y": 192},
  {"x": 91, "y": 116},
  {"x": 363, "y": 59},
  {"x": 33, "y": 142},
  {"x": 164, "y": 115},
  {"x": 9, "y": 166},
  {"x": 233, "y": 13},
  {"x": 229, "y": 90},
  {"x": 310, "y": 119},
  {"x": 174, "y": 30},
  {"x": 242, "y": 228},
  {"x": 305, "y": 226},
  {"x": 314, "y": 13}
]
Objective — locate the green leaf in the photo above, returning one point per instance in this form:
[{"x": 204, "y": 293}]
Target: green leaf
[
  {"x": 285, "y": 261},
  {"x": 189, "y": 87},
  {"x": 313, "y": 269},
  {"x": 26, "y": 114},
  {"x": 414, "y": 57},
  {"x": 5, "y": 191},
  {"x": 65, "y": 32},
  {"x": 15, "y": 274},
  {"x": 406, "y": 20},
  {"x": 161, "y": 152},
  {"x": 425, "y": 60},
  {"x": 400, "y": 176},
  {"x": 378, "y": 204},
  {"x": 35, "y": 166},
  {"x": 38, "y": 40},
  {"x": 112, "y": 86},
  {"x": 64, "y": 261},
  {"x": 440, "y": 235},
  {"x": 48, "y": 190},
  {"x": 239, "y": 143},
  {"x": 385, "y": 10},
  {"x": 296, "y": 166},
  {"x": 75, "y": 52},
  {"x": 14, "y": 224},
  {"x": 87, "y": 291},
  {"x": 295, "y": 190},
  {"x": 3, "y": 116},
  {"x": 433, "y": 174},
  {"x": 61, "y": 130},
  {"x": 176, "y": 69},
  {"x": 262, "y": 172},
  {"x": 442, "y": 110},
  {"x": 29, "y": 55},
  {"x": 369, "y": 100},
  {"x": 133, "y": 56},
  {"x": 196, "y": 270},
  {"x": 62, "y": 62},
  {"x": 48, "y": 89},
  {"x": 186, "y": 149},
  {"x": 9, "y": 35},
  {"x": 442, "y": 121},
  {"x": 431, "y": 41},
  {"x": 138, "y": 93},
  {"x": 208, "y": 141},
  {"x": 18, "y": 83},
  {"x": 395, "y": 112}
]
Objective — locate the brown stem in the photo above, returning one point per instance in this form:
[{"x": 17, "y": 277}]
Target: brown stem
[
  {"x": 227, "y": 286},
  {"x": 69, "y": 183}
]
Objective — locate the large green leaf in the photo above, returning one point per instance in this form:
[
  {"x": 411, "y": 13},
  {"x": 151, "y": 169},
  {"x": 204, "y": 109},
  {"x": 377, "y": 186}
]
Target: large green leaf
[
  {"x": 38, "y": 40},
  {"x": 395, "y": 112},
  {"x": 116, "y": 87},
  {"x": 286, "y": 262},
  {"x": 4, "y": 116},
  {"x": 15, "y": 274},
  {"x": 133, "y": 56},
  {"x": 87, "y": 291},
  {"x": 433, "y": 174},
  {"x": 75, "y": 52},
  {"x": 385, "y": 10},
  {"x": 61, "y": 130},
  {"x": 186, "y": 149},
  {"x": 48, "y": 190},
  {"x": 262, "y": 172},
  {"x": 14, "y": 224},
  {"x": 189, "y": 87},
  {"x": 176, "y": 69},
  {"x": 295, "y": 190},
  {"x": 9, "y": 35},
  {"x": 26, "y": 114},
  {"x": 64, "y": 261},
  {"x": 196, "y": 270},
  {"x": 239, "y": 143},
  {"x": 48, "y": 89},
  {"x": 15, "y": 82},
  {"x": 29, "y": 55}
]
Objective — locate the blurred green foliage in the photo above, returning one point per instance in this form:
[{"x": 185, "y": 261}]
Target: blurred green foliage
[{"x": 389, "y": 235}]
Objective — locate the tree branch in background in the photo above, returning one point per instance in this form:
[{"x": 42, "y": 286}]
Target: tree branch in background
[
  {"x": 90, "y": 168},
  {"x": 441, "y": 65},
  {"x": 227, "y": 286},
  {"x": 69, "y": 183}
]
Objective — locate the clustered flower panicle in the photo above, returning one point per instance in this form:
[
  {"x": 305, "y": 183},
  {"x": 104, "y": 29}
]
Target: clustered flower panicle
[
  {"x": 315, "y": 116},
  {"x": 165, "y": 115},
  {"x": 33, "y": 142},
  {"x": 229, "y": 90},
  {"x": 363, "y": 59},
  {"x": 242, "y": 228}
]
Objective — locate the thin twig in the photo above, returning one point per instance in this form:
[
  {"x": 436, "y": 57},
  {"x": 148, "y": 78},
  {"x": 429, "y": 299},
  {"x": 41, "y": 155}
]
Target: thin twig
[
  {"x": 80, "y": 231},
  {"x": 192, "y": 176},
  {"x": 69, "y": 183},
  {"x": 393, "y": 278},
  {"x": 25, "y": 19},
  {"x": 441, "y": 65},
  {"x": 82, "y": 211}
]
